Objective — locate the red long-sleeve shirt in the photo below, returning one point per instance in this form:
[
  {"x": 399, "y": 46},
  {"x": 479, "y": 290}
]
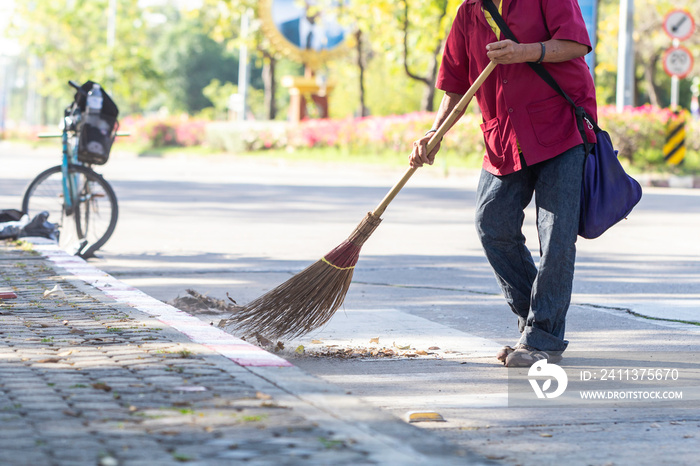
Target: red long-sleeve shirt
[{"x": 518, "y": 107}]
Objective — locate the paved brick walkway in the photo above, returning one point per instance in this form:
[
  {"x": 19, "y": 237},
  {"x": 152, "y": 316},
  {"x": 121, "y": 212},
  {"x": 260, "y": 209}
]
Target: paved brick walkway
[{"x": 85, "y": 379}]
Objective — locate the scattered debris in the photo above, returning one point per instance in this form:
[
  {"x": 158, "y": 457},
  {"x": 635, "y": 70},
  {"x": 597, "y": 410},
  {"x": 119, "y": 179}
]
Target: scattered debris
[
  {"x": 373, "y": 352},
  {"x": 108, "y": 461},
  {"x": 55, "y": 292},
  {"x": 49, "y": 360},
  {"x": 264, "y": 342},
  {"x": 198, "y": 303},
  {"x": 101, "y": 386}
]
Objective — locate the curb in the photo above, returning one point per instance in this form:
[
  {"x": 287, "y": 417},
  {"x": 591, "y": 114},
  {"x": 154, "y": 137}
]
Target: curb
[
  {"x": 213, "y": 338},
  {"x": 671, "y": 181}
]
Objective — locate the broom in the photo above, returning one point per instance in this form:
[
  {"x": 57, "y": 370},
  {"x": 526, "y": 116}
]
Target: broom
[{"x": 310, "y": 298}]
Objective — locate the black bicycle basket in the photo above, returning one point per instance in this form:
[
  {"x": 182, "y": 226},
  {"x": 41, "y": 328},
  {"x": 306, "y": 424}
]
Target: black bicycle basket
[{"x": 95, "y": 138}]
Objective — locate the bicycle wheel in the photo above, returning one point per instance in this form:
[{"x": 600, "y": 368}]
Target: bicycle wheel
[{"x": 90, "y": 222}]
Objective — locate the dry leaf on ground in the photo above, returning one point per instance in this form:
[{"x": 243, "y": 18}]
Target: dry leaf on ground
[{"x": 49, "y": 360}]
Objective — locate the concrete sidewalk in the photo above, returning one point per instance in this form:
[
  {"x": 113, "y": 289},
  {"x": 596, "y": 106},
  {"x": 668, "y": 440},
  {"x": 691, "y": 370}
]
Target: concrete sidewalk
[{"x": 96, "y": 372}]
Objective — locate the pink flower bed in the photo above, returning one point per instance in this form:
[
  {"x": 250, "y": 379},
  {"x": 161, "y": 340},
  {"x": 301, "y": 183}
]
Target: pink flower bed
[{"x": 161, "y": 132}]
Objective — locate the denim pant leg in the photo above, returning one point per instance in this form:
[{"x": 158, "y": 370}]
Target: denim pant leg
[
  {"x": 540, "y": 298},
  {"x": 500, "y": 205},
  {"x": 557, "y": 199}
]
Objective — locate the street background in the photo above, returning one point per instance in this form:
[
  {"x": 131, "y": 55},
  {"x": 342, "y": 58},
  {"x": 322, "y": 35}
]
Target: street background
[{"x": 223, "y": 224}]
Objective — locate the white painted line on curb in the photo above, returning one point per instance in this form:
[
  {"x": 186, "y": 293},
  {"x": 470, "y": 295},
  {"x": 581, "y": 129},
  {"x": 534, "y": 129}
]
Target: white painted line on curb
[{"x": 198, "y": 331}]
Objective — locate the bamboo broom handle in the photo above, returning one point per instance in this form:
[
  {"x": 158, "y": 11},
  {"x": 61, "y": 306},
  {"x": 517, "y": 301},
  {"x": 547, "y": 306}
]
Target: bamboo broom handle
[{"x": 437, "y": 136}]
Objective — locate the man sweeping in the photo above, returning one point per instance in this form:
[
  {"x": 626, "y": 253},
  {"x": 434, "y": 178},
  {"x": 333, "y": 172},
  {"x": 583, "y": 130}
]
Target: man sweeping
[{"x": 533, "y": 146}]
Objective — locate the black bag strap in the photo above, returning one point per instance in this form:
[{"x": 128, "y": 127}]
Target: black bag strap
[{"x": 542, "y": 72}]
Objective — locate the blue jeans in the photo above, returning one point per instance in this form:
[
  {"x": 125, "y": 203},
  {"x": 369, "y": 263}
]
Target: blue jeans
[{"x": 540, "y": 297}]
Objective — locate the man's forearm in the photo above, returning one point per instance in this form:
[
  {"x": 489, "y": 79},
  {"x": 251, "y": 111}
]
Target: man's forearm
[
  {"x": 448, "y": 103},
  {"x": 556, "y": 50}
]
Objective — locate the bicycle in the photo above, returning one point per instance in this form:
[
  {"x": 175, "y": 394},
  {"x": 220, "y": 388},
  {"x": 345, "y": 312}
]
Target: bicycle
[{"x": 78, "y": 199}]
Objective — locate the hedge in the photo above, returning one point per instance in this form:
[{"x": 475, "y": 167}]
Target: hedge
[{"x": 638, "y": 133}]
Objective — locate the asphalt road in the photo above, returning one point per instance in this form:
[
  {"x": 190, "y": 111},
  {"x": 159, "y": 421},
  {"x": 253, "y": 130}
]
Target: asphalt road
[{"x": 222, "y": 224}]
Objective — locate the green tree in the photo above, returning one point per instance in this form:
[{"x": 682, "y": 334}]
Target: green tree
[
  {"x": 222, "y": 19},
  {"x": 70, "y": 41},
  {"x": 410, "y": 33},
  {"x": 189, "y": 60}
]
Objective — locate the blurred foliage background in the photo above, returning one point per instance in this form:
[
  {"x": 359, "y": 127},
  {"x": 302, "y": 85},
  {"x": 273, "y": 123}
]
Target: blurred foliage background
[{"x": 175, "y": 64}]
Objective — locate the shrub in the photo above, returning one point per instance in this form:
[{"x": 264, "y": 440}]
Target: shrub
[
  {"x": 638, "y": 133},
  {"x": 235, "y": 136},
  {"x": 190, "y": 133},
  {"x": 160, "y": 134},
  {"x": 154, "y": 132},
  {"x": 692, "y": 140},
  {"x": 27, "y": 132},
  {"x": 380, "y": 134}
]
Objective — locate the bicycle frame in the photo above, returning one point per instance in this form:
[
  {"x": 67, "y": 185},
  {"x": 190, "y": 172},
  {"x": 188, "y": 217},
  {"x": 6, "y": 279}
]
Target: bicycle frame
[
  {"x": 71, "y": 117},
  {"x": 70, "y": 183}
]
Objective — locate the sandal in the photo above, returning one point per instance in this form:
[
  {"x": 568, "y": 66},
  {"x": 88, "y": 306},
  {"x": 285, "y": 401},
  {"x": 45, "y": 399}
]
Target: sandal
[
  {"x": 503, "y": 353},
  {"x": 526, "y": 356}
]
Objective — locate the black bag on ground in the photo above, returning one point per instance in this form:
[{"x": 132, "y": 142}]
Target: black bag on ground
[
  {"x": 95, "y": 138},
  {"x": 13, "y": 226},
  {"x": 10, "y": 215},
  {"x": 40, "y": 226}
]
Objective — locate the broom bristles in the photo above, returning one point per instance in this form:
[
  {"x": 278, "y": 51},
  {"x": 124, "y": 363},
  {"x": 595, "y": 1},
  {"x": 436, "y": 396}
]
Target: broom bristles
[{"x": 310, "y": 298}]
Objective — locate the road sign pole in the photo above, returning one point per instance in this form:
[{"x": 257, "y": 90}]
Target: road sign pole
[
  {"x": 674, "y": 83},
  {"x": 674, "y": 92},
  {"x": 243, "y": 67}
]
